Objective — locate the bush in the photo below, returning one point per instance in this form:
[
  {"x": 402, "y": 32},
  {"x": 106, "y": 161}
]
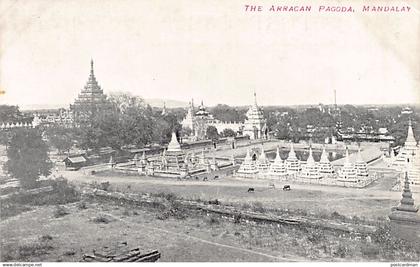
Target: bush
[
  {"x": 82, "y": 205},
  {"x": 60, "y": 211},
  {"x": 101, "y": 219},
  {"x": 316, "y": 236},
  {"x": 341, "y": 251},
  {"x": 258, "y": 207},
  {"x": 213, "y": 220},
  {"x": 336, "y": 215},
  {"x": 370, "y": 250},
  {"x": 105, "y": 186}
]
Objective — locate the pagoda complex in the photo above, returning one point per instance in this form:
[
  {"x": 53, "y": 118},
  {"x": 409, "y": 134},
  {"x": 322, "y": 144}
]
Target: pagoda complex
[
  {"x": 324, "y": 165},
  {"x": 292, "y": 162},
  {"x": 90, "y": 101},
  {"x": 255, "y": 125},
  {"x": 405, "y": 219},
  {"x": 277, "y": 168}
]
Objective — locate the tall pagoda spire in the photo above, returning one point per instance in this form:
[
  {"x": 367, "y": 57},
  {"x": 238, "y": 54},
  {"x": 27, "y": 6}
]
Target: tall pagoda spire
[{"x": 410, "y": 142}]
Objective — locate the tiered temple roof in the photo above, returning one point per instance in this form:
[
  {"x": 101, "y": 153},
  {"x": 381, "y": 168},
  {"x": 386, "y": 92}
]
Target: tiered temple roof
[
  {"x": 292, "y": 162},
  {"x": 324, "y": 165},
  {"x": 255, "y": 124},
  {"x": 278, "y": 167},
  {"x": 348, "y": 171},
  {"x": 90, "y": 100}
]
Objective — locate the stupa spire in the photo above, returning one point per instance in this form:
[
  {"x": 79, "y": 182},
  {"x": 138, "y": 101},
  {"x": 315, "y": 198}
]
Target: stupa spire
[
  {"x": 278, "y": 158},
  {"x": 324, "y": 156},
  {"x": 174, "y": 144},
  {"x": 310, "y": 159},
  {"x": 410, "y": 141},
  {"x": 407, "y": 201}
]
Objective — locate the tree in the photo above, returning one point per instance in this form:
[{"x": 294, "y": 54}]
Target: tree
[
  {"x": 227, "y": 113},
  {"x": 9, "y": 113},
  {"x": 28, "y": 157},
  {"x": 61, "y": 138},
  {"x": 228, "y": 133},
  {"x": 211, "y": 133}
]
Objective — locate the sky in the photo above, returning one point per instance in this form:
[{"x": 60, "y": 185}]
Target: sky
[{"x": 209, "y": 50}]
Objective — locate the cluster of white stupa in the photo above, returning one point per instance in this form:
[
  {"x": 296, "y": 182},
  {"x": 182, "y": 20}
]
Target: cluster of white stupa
[
  {"x": 292, "y": 167},
  {"x": 11, "y": 125}
]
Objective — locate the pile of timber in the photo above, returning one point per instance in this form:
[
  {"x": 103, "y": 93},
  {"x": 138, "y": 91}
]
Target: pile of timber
[{"x": 122, "y": 255}]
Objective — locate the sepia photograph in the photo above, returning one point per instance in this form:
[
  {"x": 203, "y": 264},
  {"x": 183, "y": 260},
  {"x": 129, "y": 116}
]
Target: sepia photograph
[{"x": 210, "y": 131}]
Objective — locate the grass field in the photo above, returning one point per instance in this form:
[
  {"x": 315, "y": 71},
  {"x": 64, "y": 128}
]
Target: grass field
[
  {"x": 44, "y": 234},
  {"x": 369, "y": 202}
]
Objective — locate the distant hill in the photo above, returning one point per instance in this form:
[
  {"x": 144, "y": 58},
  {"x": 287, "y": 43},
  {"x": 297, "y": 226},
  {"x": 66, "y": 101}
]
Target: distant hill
[{"x": 157, "y": 102}]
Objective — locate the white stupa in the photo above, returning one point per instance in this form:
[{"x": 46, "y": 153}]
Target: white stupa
[
  {"x": 360, "y": 165},
  {"x": 310, "y": 170},
  {"x": 277, "y": 168},
  {"x": 324, "y": 165},
  {"x": 248, "y": 165},
  {"x": 263, "y": 165},
  {"x": 348, "y": 171},
  {"x": 292, "y": 162}
]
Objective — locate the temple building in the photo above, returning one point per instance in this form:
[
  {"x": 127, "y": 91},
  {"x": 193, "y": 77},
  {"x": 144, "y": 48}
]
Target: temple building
[
  {"x": 90, "y": 101},
  {"x": 360, "y": 165},
  {"x": 277, "y": 168},
  {"x": 198, "y": 121},
  {"x": 324, "y": 165},
  {"x": 263, "y": 165},
  {"x": 310, "y": 170},
  {"x": 348, "y": 172},
  {"x": 292, "y": 162},
  {"x": 248, "y": 166},
  {"x": 255, "y": 126}
]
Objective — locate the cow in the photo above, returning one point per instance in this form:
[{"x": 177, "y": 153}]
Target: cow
[
  {"x": 215, "y": 177},
  {"x": 286, "y": 187},
  {"x": 272, "y": 186},
  {"x": 251, "y": 190},
  {"x": 205, "y": 179}
]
